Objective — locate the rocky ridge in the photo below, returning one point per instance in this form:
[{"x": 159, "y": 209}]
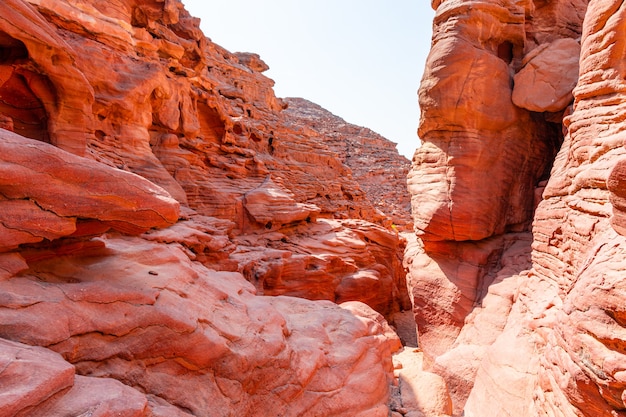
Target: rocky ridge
[{"x": 371, "y": 158}]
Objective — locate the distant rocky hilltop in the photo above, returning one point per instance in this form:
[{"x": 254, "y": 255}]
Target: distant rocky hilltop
[{"x": 373, "y": 159}]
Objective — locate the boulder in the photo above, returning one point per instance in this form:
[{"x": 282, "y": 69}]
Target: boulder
[
  {"x": 45, "y": 190},
  {"x": 549, "y": 75}
]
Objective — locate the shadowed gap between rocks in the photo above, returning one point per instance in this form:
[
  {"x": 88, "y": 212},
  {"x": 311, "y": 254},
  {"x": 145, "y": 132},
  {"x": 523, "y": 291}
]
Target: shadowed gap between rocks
[
  {"x": 463, "y": 290},
  {"x": 483, "y": 258},
  {"x": 21, "y": 110}
]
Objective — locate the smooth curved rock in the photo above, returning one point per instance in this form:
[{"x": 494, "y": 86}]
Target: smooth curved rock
[
  {"x": 104, "y": 397},
  {"x": 164, "y": 323},
  {"x": 516, "y": 326},
  {"x": 39, "y": 382},
  {"x": 422, "y": 393},
  {"x": 68, "y": 101},
  {"x": 457, "y": 75},
  {"x": 271, "y": 203},
  {"x": 549, "y": 75},
  {"x": 46, "y": 190},
  {"x": 30, "y": 375},
  {"x": 482, "y": 157},
  {"x": 336, "y": 260},
  {"x": 144, "y": 314}
]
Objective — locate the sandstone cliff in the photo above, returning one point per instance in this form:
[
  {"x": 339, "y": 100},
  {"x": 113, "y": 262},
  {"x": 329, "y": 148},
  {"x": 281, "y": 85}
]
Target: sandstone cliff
[
  {"x": 517, "y": 193},
  {"x": 373, "y": 160},
  {"x": 175, "y": 240},
  {"x": 159, "y": 211}
]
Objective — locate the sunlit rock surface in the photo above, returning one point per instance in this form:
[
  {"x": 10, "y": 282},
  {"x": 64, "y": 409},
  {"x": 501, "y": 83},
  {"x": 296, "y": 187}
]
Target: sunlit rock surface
[
  {"x": 175, "y": 240},
  {"x": 522, "y": 118},
  {"x": 374, "y": 161},
  {"x": 172, "y": 241},
  {"x": 146, "y": 315}
]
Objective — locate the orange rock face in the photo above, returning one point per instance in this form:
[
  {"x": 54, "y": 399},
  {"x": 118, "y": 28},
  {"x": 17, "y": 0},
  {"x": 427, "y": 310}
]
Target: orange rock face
[
  {"x": 472, "y": 131},
  {"x": 548, "y": 76},
  {"x": 142, "y": 313},
  {"x": 173, "y": 242},
  {"x": 374, "y": 161},
  {"x": 45, "y": 190},
  {"x": 484, "y": 159},
  {"x": 519, "y": 320}
]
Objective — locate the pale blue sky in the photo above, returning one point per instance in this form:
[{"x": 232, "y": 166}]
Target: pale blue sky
[{"x": 360, "y": 59}]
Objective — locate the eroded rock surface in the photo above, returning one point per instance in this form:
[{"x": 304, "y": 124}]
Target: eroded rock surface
[
  {"x": 530, "y": 319},
  {"x": 373, "y": 160},
  {"x": 144, "y": 314},
  {"x": 47, "y": 193},
  {"x": 549, "y": 75},
  {"x": 159, "y": 211}
]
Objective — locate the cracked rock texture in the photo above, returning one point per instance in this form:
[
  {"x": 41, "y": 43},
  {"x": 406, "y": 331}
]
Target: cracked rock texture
[
  {"x": 372, "y": 158},
  {"x": 173, "y": 241}
]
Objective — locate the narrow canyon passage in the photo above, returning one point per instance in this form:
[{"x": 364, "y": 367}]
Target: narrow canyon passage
[{"x": 176, "y": 240}]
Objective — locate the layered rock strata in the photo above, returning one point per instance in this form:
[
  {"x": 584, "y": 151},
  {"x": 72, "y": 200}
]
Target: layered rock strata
[
  {"x": 158, "y": 209},
  {"x": 483, "y": 160},
  {"x": 373, "y": 160},
  {"x": 522, "y": 320}
]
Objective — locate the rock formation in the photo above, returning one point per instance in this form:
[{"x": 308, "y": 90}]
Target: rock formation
[
  {"x": 177, "y": 241},
  {"x": 516, "y": 272},
  {"x": 373, "y": 160},
  {"x": 172, "y": 241}
]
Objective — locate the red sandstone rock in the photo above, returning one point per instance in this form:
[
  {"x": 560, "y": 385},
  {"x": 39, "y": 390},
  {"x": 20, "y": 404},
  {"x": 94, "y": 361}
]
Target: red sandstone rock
[
  {"x": 197, "y": 120},
  {"x": 374, "y": 160},
  {"x": 146, "y": 306},
  {"x": 46, "y": 189},
  {"x": 271, "y": 204},
  {"x": 422, "y": 393},
  {"x": 30, "y": 375},
  {"x": 252, "y": 61},
  {"x": 336, "y": 260},
  {"x": 38, "y": 382},
  {"x": 572, "y": 243},
  {"x": 518, "y": 342},
  {"x": 549, "y": 75},
  {"x": 375, "y": 322},
  {"x": 482, "y": 157},
  {"x": 96, "y": 396},
  {"x": 11, "y": 264},
  {"x": 204, "y": 239},
  {"x": 450, "y": 281},
  {"x": 557, "y": 352},
  {"x": 617, "y": 186},
  {"x": 148, "y": 323},
  {"x": 484, "y": 324},
  {"x": 54, "y": 85}
]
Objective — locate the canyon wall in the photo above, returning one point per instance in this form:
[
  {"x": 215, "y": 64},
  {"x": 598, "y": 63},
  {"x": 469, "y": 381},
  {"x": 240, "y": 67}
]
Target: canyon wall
[
  {"x": 173, "y": 241},
  {"x": 517, "y": 194}
]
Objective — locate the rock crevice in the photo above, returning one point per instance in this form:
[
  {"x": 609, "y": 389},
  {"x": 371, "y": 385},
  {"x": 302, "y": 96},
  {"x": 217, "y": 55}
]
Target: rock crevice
[{"x": 511, "y": 313}]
